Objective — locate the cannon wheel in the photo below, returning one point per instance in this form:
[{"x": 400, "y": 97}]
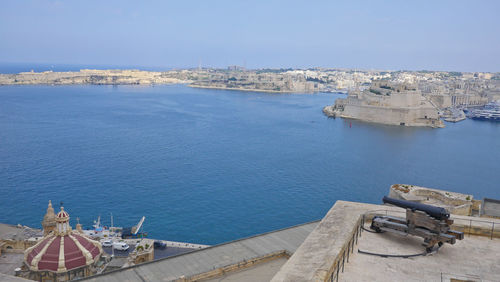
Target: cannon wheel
[{"x": 375, "y": 228}]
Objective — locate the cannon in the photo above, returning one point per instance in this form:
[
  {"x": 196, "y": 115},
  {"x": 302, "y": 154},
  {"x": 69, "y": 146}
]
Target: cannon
[{"x": 429, "y": 222}]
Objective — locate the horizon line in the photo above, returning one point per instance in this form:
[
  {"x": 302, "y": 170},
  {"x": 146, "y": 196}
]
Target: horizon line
[{"x": 148, "y": 68}]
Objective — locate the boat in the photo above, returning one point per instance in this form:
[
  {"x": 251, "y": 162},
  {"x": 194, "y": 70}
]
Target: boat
[
  {"x": 134, "y": 231},
  {"x": 490, "y": 111},
  {"x": 100, "y": 232}
]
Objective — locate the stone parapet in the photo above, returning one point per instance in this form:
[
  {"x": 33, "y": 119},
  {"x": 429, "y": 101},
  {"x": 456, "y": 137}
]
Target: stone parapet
[
  {"x": 455, "y": 203},
  {"x": 319, "y": 257}
]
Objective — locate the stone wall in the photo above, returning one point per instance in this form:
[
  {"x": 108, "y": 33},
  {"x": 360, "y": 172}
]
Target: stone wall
[
  {"x": 144, "y": 252},
  {"x": 16, "y": 246},
  {"x": 441, "y": 101},
  {"x": 393, "y": 116},
  {"x": 455, "y": 203},
  {"x": 235, "y": 267}
]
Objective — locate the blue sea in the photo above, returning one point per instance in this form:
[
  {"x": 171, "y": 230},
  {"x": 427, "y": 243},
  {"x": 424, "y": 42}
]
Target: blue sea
[{"x": 209, "y": 166}]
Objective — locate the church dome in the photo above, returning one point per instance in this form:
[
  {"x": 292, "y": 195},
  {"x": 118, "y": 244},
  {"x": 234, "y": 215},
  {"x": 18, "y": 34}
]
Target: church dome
[
  {"x": 62, "y": 253},
  {"x": 62, "y": 250}
]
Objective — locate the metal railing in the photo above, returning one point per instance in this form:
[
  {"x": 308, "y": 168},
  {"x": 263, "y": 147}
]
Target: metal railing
[
  {"x": 490, "y": 228},
  {"x": 347, "y": 249}
]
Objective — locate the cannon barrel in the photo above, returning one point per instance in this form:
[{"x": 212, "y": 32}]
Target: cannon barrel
[{"x": 436, "y": 212}]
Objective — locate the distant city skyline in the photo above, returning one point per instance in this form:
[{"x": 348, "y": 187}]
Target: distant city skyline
[{"x": 382, "y": 35}]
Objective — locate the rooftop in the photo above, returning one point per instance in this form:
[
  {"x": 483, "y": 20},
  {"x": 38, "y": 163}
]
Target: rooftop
[
  {"x": 13, "y": 232},
  {"x": 260, "y": 272},
  {"x": 474, "y": 258},
  {"x": 268, "y": 249}
]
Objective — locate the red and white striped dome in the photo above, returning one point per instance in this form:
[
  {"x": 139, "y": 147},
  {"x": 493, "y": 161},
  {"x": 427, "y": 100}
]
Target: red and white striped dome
[
  {"x": 62, "y": 253},
  {"x": 63, "y": 249}
]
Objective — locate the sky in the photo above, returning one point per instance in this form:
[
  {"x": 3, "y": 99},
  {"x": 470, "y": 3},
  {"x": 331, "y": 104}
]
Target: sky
[{"x": 387, "y": 35}]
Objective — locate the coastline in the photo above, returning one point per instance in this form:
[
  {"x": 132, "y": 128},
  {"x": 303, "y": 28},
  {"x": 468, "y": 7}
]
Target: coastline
[
  {"x": 246, "y": 89},
  {"x": 140, "y": 77},
  {"x": 92, "y": 77}
]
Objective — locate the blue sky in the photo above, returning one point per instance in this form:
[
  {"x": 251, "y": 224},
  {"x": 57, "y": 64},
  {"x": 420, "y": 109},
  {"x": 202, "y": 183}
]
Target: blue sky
[{"x": 434, "y": 35}]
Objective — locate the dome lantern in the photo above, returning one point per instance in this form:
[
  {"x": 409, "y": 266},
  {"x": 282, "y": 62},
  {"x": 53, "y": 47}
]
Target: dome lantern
[{"x": 62, "y": 223}]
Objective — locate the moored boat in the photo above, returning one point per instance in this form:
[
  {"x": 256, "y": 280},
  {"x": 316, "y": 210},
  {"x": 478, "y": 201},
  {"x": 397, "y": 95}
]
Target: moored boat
[{"x": 491, "y": 111}]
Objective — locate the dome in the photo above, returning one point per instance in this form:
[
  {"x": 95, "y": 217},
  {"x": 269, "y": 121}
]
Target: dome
[
  {"x": 62, "y": 216},
  {"x": 50, "y": 215},
  {"x": 49, "y": 220},
  {"x": 62, "y": 253}
]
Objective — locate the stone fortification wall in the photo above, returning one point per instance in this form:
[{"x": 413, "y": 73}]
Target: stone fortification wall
[
  {"x": 407, "y": 99},
  {"x": 394, "y": 116},
  {"x": 455, "y": 203},
  {"x": 393, "y": 104},
  {"x": 440, "y": 100}
]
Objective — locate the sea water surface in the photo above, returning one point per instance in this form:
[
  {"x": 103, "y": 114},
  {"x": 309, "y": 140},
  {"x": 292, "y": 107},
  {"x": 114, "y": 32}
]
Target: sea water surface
[{"x": 208, "y": 166}]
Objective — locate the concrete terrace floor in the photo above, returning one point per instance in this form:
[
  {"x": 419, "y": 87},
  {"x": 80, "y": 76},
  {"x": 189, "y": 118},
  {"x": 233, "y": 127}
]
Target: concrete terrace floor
[
  {"x": 317, "y": 257},
  {"x": 473, "y": 258}
]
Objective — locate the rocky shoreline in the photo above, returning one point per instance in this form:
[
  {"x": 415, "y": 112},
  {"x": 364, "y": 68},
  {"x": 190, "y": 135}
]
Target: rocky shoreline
[{"x": 95, "y": 77}]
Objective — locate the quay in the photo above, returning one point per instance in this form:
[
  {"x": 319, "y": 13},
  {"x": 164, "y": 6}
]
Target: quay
[{"x": 174, "y": 244}]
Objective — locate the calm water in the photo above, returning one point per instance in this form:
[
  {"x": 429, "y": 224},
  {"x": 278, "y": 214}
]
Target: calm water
[{"x": 209, "y": 166}]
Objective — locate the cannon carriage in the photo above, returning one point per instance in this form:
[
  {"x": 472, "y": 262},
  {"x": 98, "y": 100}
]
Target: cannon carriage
[{"x": 426, "y": 221}]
